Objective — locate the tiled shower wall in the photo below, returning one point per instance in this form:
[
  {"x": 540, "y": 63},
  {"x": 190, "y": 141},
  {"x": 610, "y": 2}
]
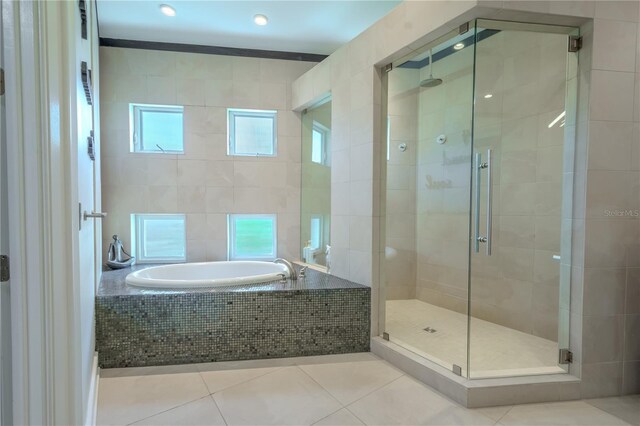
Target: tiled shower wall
[
  {"x": 204, "y": 183},
  {"x": 608, "y": 302},
  {"x": 400, "y": 220},
  {"x": 443, "y": 183},
  {"x": 428, "y": 203},
  {"x": 602, "y": 334}
]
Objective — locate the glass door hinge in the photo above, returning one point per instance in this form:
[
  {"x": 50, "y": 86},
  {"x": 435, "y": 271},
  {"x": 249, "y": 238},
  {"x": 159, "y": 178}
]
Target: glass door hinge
[
  {"x": 1, "y": 81},
  {"x": 4, "y": 268},
  {"x": 565, "y": 356},
  {"x": 575, "y": 43},
  {"x": 385, "y": 335}
]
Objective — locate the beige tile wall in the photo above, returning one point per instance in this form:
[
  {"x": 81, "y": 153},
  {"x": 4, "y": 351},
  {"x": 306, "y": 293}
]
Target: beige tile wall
[
  {"x": 400, "y": 220},
  {"x": 443, "y": 183},
  {"x": 519, "y": 286},
  {"x": 203, "y": 183},
  {"x": 610, "y": 167},
  {"x": 610, "y": 94}
]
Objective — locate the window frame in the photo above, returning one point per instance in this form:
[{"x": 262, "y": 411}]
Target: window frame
[
  {"x": 325, "y": 132},
  {"x": 232, "y": 113},
  {"x": 136, "y": 137},
  {"x": 231, "y": 235},
  {"x": 320, "y": 219},
  {"x": 137, "y": 237}
]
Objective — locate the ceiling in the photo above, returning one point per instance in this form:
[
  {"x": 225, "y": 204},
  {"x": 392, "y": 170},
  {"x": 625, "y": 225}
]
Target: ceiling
[{"x": 303, "y": 26}]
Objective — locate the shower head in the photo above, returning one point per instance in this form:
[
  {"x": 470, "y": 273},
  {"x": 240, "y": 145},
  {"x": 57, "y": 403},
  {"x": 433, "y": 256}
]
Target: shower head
[{"x": 431, "y": 81}]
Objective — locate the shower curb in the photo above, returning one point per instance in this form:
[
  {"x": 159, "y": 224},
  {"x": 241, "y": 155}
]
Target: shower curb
[{"x": 477, "y": 393}]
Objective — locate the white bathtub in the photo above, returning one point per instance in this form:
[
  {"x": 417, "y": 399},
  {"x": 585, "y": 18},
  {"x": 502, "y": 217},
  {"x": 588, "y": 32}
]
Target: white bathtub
[{"x": 207, "y": 274}]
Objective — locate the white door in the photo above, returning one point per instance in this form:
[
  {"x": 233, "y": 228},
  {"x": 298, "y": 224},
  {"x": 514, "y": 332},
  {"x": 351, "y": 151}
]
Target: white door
[
  {"x": 86, "y": 198},
  {"x": 5, "y": 311}
]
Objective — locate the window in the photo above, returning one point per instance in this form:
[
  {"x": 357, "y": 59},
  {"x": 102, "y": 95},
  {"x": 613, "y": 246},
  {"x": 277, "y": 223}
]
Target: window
[
  {"x": 320, "y": 136},
  {"x": 252, "y": 236},
  {"x": 156, "y": 128},
  {"x": 159, "y": 238},
  {"x": 316, "y": 231},
  {"x": 252, "y": 132}
]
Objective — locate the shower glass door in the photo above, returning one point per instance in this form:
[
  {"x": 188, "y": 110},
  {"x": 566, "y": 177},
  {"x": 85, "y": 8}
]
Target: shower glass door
[
  {"x": 524, "y": 108},
  {"x": 430, "y": 103},
  {"x": 478, "y": 199}
]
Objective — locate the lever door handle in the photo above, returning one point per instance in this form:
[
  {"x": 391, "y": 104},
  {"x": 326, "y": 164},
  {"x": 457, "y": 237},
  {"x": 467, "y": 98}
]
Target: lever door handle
[{"x": 93, "y": 215}]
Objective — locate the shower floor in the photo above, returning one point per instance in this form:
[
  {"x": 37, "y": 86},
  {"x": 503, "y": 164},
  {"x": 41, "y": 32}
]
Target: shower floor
[{"x": 496, "y": 351}]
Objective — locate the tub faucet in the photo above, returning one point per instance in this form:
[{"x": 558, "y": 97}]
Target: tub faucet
[{"x": 292, "y": 272}]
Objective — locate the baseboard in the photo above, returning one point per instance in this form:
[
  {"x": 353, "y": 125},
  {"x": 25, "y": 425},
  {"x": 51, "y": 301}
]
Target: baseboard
[{"x": 92, "y": 400}]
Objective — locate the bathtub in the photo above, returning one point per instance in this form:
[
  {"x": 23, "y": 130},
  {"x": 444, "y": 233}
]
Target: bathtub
[{"x": 207, "y": 274}]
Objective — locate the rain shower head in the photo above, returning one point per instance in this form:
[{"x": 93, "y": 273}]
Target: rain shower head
[{"x": 431, "y": 81}]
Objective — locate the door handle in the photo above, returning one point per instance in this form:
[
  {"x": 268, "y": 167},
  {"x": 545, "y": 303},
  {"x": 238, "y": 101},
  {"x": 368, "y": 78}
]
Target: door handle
[
  {"x": 93, "y": 215},
  {"x": 489, "y": 203},
  {"x": 479, "y": 165},
  {"x": 85, "y": 215},
  {"x": 477, "y": 238}
]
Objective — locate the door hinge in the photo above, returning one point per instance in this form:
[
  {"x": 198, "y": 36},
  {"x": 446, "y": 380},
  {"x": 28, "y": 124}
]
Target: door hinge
[
  {"x": 463, "y": 28},
  {"x": 385, "y": 335},
  {"x": 388, "y": 67},
  {"x": 4, "y": 268},
  {"x": 457, "y": 370},
  {"x": 575, "y": 43},
  {"x": 82, "y": 5},
  {"x": 91, "y": 147},
  {"x": 1, "y": 81},
  {"x": 565, "y": 356}
]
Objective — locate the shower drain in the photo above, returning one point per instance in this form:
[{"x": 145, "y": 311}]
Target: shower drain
[{"x": 430, "y": 330}]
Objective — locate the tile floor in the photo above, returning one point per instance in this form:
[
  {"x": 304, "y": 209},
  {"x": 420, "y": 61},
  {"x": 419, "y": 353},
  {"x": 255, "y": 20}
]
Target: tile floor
[
  {"x": 352, "y": 389},
  {"x": 495, "y": 350}
]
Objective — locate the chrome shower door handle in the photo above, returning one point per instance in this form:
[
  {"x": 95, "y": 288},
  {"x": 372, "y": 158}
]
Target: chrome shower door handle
[
  {"x": 476, "y": 239},
  {"x": 489, "y": 203}
]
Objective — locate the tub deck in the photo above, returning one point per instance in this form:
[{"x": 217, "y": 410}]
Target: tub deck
[{"x": 318, "y": 315}]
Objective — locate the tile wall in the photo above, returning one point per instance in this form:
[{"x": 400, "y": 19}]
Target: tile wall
[
  {"x": 400, "y": 219},
  {"x": 610, "y": 167},
  {"x": 204, "y": 183}
]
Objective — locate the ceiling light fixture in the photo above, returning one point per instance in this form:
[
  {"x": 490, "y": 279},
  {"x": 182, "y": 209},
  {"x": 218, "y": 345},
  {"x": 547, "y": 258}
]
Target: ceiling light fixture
[
  {"x": 488, "y": 95},
  {"x": 458, "y": 46},
  {"x": 167, "y": 10},
  {"x": 260, "y": 20}
]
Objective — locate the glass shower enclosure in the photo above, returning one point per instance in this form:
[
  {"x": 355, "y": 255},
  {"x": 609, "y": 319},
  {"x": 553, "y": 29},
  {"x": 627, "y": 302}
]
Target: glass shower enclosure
[{"x": 479, "y": 178}]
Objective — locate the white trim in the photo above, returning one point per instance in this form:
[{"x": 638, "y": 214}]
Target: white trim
[
  {"x": 232, "y": 113},
  {"x": 231, "y": 226},
  {"x": 138, "y": 237},
  {"x": 92, "y": 401},
  {"x": 325, "y": 143},
  {"x": 136, "y": 141},
  {"x": 42, "y": 82},
  {"x": 320, "y": 219}
]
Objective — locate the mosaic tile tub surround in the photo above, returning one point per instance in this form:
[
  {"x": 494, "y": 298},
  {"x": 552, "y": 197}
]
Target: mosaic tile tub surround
[{"x": 318, "y": 315}]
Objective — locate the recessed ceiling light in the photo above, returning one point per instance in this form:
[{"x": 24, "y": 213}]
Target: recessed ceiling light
[
  {"x": 260, "y": 20},
  {"x": 167, "y": 10},
  {"x": 488, "y": 95},
  {"x": 458, "y": 46}
]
